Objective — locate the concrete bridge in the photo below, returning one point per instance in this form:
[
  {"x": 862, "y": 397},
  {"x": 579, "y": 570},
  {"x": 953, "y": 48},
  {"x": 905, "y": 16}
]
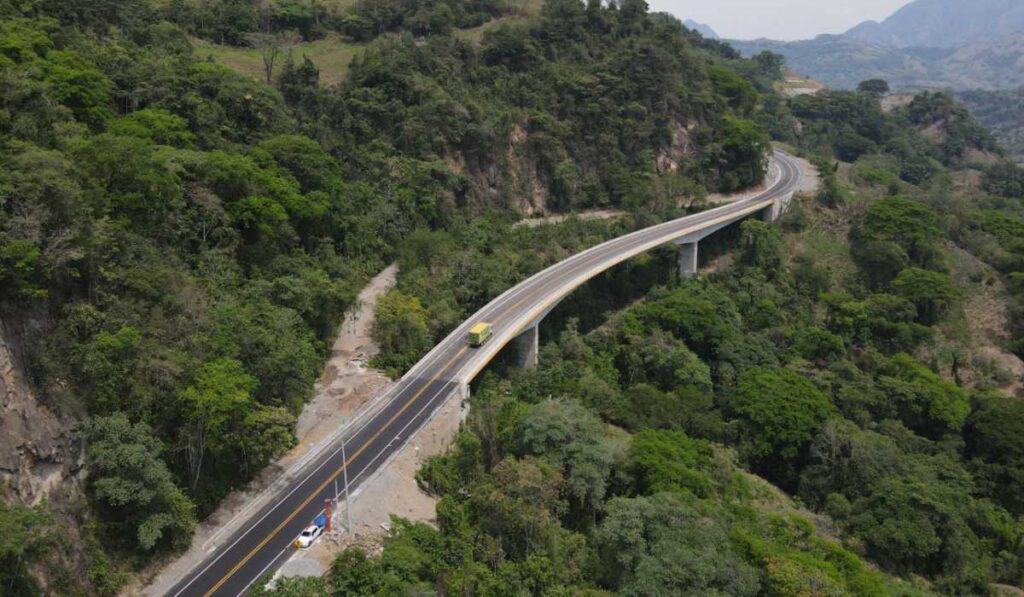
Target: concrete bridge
[{"x": 264, "y": 541}]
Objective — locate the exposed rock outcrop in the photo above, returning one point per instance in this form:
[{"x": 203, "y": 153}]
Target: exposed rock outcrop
[
  {"x": 41, "y": 460},
  {"x": 39, "y": 456}
]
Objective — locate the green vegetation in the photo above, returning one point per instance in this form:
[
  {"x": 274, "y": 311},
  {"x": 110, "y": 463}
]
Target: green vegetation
[
  {"x": 330, "y": 55},
  {"x": 834, "y": 371},
  {"x": 1002, "y": 112},
  {"x": 178, "y": 241},
  {"x": 25, "y": 535}
]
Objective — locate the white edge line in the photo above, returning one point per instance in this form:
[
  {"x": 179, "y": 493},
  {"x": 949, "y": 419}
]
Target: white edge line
[
  {"x": 434, "y": 353},
  {"x": 444, "y": 392}
]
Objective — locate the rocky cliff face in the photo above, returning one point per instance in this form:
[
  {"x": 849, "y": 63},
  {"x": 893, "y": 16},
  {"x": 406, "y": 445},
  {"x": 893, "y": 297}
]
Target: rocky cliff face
[
  {"x": 41, "y": 460},
  {"x": 39, "y": 456}
]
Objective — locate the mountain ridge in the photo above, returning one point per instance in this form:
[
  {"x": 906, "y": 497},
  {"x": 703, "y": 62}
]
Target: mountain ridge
[
  {"x": 927, "y": 44},
  {"x": 701, "y": 28},
  {"x": 943, "y": 23},
  {"x": 842, "y": 62}
]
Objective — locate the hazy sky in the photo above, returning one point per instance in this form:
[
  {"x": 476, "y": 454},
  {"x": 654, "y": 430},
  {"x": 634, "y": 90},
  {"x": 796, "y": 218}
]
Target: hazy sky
[{"x": 778, "y": 19}]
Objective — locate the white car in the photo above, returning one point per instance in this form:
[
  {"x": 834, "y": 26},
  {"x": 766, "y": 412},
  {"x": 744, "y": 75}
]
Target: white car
[{"x": 308, "y": 536}]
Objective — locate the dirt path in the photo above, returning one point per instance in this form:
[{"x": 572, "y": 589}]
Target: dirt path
[
  {"x": 597, "y": 214},
  {"x": 346, "y": 385}
]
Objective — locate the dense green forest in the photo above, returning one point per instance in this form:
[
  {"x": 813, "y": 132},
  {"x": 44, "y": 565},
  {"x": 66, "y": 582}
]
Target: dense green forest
[{"x": 178, "y": 242}]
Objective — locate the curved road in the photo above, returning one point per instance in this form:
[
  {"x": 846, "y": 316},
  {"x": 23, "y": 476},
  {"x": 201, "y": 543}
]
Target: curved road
[{"x": 264, "y": 541}]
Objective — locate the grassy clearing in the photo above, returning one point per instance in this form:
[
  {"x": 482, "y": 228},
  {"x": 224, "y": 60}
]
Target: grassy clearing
[
  {"x": 332, "y": 55},
  {"x": 794, "y": 85},
  {"x": 475, "y": 34}
]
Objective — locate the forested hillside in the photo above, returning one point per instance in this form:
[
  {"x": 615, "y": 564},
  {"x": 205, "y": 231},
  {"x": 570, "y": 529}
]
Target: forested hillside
[
  {"x": 842, "y": 357},
  {"x": 1003, "y": 113},
  {"x": 835, "y": 411},
  {"x": 178, "y": 241}
]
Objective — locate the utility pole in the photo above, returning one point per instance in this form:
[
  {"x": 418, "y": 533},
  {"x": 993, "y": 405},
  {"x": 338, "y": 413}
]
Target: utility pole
[{"x": 344, "y": 472}]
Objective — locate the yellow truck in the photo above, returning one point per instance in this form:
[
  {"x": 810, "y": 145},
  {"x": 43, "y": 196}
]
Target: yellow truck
[{"x": 479, "y": 333}]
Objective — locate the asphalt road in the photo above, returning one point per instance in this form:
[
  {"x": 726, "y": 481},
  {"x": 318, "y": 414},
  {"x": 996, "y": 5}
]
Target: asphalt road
[{"x": 264, "y": 542}]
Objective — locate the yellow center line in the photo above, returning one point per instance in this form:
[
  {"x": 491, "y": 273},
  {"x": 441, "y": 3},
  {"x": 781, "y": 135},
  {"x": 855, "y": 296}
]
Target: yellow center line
[
  {"x": 330, "y": 479},
  {"x": 361, "y": 449},
  {"x": 358, "y": 452}
]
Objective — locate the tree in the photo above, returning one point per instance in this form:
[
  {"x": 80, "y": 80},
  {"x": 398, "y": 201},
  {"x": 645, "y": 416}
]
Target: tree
[
  {"x": 761, "y": 248},
  {"x": 215, "y": 405},
  {"x": 908, "y": 223},
  {"x": 159, "y": 126},
  {"x": 704, "y": 320},
  {"x": 401, "y": 328},
  {"x": 904, "y": 524},
  {"x": 995, "y": 441},
  {"x": 931, "y": 292},
  {"x": 577, "y": 438},
  {"x": 109, "y": 370},
  {"x": 25, "y": 535},
  {"x": 665, "y": 545},
  {"x": 742, "y": 157},
  {"x": 1006, "y": 179},
  {"x": 874, "y": 86},
  {"x": 305, "y": 160},
  {"x": 662, "y": 360},
  {"x": 781, "y": 412},
  {"x": 925, "y": 402},
  {"x": 270, "y": 46},
  {"x": 670, "y": 461},
  {"x": 770, "y": 64},
  {"x": 818, "y": 345},
  {"x": 266, "y": 434},
  {"x": 354, "y": 573},
  {"x": 880, "y": 261},
  {"x": 135, "y": 493},
  {"x": 740, "y": 94}
]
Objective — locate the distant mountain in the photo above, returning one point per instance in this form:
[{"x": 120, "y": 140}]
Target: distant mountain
[
  {"x": 958, "y": 44},
  {"x": 841, "y": 61},
  {"x": 838, "y": 61},
  {"x": 701, "y": 28},
  {"x": 944, "y": 24}
]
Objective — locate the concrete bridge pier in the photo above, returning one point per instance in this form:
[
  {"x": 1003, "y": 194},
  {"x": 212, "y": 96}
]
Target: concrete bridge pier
[
  {"x": 528, "y": 347},
  {"x": 462, "y": 392},
  {"x": 688, "y": 259},
  {"x": 774, "y": 211}
]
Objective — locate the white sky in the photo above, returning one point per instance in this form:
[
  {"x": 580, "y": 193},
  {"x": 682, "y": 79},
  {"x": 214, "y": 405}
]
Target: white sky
[{"x": 778, "y": 19}]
